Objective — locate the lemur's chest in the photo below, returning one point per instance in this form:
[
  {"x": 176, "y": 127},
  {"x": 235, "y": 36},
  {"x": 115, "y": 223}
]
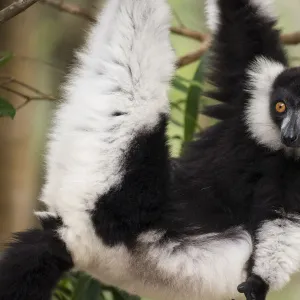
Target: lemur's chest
[{"x": 278, "y": 185}]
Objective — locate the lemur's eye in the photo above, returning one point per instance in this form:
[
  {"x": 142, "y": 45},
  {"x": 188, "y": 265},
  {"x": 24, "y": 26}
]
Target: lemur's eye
[{"x": 280, "y": 107}]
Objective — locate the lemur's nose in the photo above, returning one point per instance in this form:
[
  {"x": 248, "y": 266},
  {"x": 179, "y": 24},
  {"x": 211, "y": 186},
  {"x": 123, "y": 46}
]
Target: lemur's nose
[{"x": 290, "y": 140}]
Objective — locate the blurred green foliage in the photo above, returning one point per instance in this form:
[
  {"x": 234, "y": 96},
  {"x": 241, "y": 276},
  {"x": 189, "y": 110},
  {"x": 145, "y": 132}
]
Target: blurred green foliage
[{"x": 79, "y": 286}]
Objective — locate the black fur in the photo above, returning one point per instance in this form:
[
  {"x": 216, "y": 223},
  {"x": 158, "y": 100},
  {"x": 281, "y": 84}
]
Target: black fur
[
  {"x": 51, "y": 223},
  {"x": 127, "y": 210},
  {"x": 32, "y": 265}
]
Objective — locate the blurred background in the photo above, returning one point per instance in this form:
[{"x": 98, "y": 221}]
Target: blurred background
[{"x": 37, "y": 48}]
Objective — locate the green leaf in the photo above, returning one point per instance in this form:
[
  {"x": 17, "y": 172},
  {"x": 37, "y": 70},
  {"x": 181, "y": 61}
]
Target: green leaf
[
  {"x": 176, "y": 83},
  {"x": 121, "y": 295},
  {"x": 6, "y": 109},
  {"x": 5, "y": 57},
  {"x": 87, "y": 288},
  {"x": 192, "y": 103},
  {"x": 190, "y": 82}
]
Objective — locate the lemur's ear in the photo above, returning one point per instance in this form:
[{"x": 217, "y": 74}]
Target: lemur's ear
[{"x": 49, "y": 221}]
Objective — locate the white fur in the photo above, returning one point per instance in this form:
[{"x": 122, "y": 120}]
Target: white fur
[
  {"x": 262, "y": 74},
  {"x": 277, "y": 256},
  {"x": 125, "y": 66},
  {"x": 212, "y": 13},
  {"x": 201, "y": 267},
  {"x": 44, "y": 214},
  {"x": 265, "y": 9}
]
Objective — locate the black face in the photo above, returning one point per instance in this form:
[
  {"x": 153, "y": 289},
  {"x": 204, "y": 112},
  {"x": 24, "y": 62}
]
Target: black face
[{"x": 285, "y": 106}]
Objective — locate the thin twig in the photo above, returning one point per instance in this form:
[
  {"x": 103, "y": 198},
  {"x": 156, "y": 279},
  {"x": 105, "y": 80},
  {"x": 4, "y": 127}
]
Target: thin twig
[
  {"x": 70, "y": 8},
  {"x": 39, "y": 61},
  {"x": 193, "y": 56},
  {"x": 28, "y": 87},
  {"x": 22, "y": 105},
  {"x": 14, "y": 9},
  {"x": 8, "y": 89},
  {"x": 38, "y": 95}
]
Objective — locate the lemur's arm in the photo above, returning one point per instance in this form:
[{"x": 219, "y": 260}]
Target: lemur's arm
[
  {"x": 243, "y": 32},
  {"x": 248, "y": 56}
]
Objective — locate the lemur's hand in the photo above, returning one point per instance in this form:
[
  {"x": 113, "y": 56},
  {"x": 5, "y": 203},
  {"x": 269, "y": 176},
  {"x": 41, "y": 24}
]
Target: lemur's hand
[{"x": 254, "y": 288}]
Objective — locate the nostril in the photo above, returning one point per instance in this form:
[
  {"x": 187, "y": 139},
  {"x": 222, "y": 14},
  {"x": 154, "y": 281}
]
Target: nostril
[
  {"x": 289, "y": 140},
  {"x": 293, "y": 138}
]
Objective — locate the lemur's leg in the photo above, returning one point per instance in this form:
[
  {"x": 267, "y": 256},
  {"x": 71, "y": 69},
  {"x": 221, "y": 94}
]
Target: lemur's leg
[{"x": 248, "y": 56}]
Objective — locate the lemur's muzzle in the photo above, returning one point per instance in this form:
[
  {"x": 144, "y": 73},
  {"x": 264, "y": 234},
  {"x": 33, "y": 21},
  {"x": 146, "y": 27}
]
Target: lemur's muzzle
[{"x": 290, "y": 132}]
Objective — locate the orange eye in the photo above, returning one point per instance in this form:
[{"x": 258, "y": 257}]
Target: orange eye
[{"x": 280, "y": 107}]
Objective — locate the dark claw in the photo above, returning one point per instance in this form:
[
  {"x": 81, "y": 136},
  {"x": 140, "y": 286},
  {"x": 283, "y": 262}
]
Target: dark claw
[{"x": 254, "y": 288}]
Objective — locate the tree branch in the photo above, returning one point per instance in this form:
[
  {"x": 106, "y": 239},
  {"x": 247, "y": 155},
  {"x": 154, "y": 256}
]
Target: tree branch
[
  {"x": 14, "y": 9},
  {"x": 193, "y": 56},
  {"x": 76, "y": 10},
  {"x": 287, "y": 39},
  {"x": 291, "y": 38},
  {"x": 73, "y": 9}
]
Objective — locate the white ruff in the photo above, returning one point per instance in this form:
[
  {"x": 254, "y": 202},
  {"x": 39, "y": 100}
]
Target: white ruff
[{"x": 262, "y": 74}]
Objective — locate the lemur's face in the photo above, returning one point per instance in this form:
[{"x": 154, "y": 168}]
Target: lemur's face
[{"x": 285, "y": 106}]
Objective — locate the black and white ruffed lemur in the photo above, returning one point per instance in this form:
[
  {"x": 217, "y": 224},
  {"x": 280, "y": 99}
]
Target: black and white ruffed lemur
[{"x": 223, "y": 218}]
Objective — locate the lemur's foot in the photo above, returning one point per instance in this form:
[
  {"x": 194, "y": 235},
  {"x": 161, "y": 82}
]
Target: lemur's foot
[{"x": 254, "y": 288}]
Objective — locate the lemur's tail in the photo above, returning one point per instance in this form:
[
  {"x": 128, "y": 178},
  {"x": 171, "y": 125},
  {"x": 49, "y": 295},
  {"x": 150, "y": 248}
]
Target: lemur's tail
[{"x": 32, "y": 265}]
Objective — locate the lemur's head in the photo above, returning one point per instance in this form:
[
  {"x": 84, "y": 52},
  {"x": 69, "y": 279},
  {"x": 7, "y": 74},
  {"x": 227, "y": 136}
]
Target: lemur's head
[
  {"x": 285, "y": 106},
  {"x": 273, "y": 112}
]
